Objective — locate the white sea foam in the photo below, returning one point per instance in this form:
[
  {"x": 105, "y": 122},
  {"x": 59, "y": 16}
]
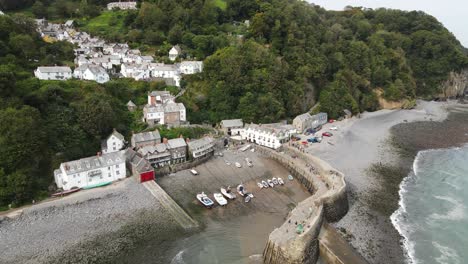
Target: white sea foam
[
  {"x": 456, "y": 213},
  {"x": 448, "y": 255},
  {"x": 178, "y": 258}
]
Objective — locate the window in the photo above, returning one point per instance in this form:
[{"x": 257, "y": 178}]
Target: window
[
  {"x": 108, "y": 168},
  {"x": 118, "y": 172},
  {"x": 117, "y": 166}
]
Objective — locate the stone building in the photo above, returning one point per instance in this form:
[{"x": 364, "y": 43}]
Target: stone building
[
  {"x": 305, "y": 121},
  {"x": 145, "y": 139},
  {"x": 162, "y": 109},
  {"x": 201, "y": 147},
  {"x": 232, "y": 127}
]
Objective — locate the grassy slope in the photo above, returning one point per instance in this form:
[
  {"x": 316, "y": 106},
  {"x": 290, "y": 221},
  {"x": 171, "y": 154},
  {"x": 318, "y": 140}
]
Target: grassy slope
[
  {"x": 221, "y": 4},
  {"x": 108, "y": 21}
]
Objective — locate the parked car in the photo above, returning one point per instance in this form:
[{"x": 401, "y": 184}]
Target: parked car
[
  {"x": 331, "y": 120},
  {"x": 334, "y": 128},
  {"x": 327, "y": 134},
  {"x": 295, "y": 138},
  {"x": 304, "y": 143}
]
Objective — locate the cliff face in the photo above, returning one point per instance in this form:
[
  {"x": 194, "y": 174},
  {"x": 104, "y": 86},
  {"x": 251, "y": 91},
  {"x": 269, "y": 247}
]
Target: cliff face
[{"x": 455, "y": 85}]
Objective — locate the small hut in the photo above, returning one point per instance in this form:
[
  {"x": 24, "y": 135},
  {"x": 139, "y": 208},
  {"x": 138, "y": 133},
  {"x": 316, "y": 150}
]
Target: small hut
[{"x": 131, "y": 106}]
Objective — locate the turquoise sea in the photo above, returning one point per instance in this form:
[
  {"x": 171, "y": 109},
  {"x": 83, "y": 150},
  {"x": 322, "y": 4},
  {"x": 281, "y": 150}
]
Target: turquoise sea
[{"x": 433, "y": 213}]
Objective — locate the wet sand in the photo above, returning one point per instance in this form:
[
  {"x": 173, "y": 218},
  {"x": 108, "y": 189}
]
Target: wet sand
[{"x": 235, "y": 232}]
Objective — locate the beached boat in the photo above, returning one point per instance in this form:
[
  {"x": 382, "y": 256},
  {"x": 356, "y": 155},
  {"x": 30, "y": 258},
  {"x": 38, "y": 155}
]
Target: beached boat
[
  {"x": 97, "y": 185},
  {"x": 270, "y": 183},
  {"x": 63, "y": 193},
  {"x": 247, "y": 199},
  {"x": 260, "y": 185},
  {"x": 227, "y": 192},
  {"x": 204, "y": 199},
  {"x": 241, "y": 189},
  {"x": 280, "y": 181},
  {"x": 265, "y": 184},
  {"x": 238, "y": 165},
  {"x": 220, "y": 199},
  {"x": 290, "y": 177},
  {"x": 275, "y": 181},
  {"x": 194, "y": 172}
]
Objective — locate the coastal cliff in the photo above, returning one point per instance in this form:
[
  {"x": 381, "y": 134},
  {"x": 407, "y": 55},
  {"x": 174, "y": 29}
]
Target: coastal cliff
[
  {"x": 296, "y": 241},
  {"x": 455, "y": 85}
]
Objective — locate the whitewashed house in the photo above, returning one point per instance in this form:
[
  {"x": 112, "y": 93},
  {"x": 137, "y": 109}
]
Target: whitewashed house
[
  {"x": 113, "y": 143},
  {"x": 191, "y": 67},
  {"x": 175, "y": 52},
  {"x": 165, "y": 71},
  {"x": 53, "y": 73},
  {"x": 201, "y": 147},
  {"x": 91, "y": 72},
  {"x": 91, "y": 171},
  {"x": 268, "y": 135}
]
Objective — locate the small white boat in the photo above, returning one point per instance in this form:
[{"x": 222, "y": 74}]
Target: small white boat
[
  {"x": 227, "y": 192},
  {"x": 252, "y": 150},
  {"x": 265, "y": 184},
  {"x": 247, "y": 199},
  {"x": 290, "y": 177},
  {"x": 241, "y": 189},
  {"x": 270, "y": 183},
  {"x": 194, "y": 172},
  {"x": 260, "y": 185},
  {"x": 280, "y": 181},
  {"x": 220, "y": 199},
  {"x": 204, "y": 199},
  {"x": 238, "y": 165},
  {"x": 275, "y": 181}
]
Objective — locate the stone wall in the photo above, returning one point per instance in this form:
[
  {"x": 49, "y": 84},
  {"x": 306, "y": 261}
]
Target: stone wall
[
  {"x": 328, "y": 202},
  {"x": 180, "y": 166}
]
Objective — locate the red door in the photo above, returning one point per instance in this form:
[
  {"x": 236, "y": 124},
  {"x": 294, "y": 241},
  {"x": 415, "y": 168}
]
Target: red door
[{"x": 147, "y": 176}]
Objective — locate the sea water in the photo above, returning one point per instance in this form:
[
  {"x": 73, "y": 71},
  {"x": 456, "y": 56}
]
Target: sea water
[{"x": 433, "y": 213}]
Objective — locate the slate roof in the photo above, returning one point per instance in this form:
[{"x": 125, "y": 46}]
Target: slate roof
[
  {"x": 130, "y": 103},
  {"x": 232, "y": 123},
  {"x": 95, "y": 162},
  {"x": 200, "y": 143},
  {"x": 45, "y": 69},
  {"x": 146, "y": 136},
  {"x": 176, "y": 143}
]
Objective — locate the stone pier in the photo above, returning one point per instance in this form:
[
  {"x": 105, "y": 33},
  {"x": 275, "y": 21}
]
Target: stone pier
[{"x": 329, "y": 203}]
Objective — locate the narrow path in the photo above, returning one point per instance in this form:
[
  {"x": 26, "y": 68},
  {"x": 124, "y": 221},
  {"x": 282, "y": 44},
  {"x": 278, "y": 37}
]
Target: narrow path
[{"x": 172, "y": 207}]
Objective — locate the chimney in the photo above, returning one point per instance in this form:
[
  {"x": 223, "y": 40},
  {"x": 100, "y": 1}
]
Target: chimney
[
  {"x": 187, "y": 140},
  {"x": 165, "y": 140},
  {"x": 99, "y": 154}
]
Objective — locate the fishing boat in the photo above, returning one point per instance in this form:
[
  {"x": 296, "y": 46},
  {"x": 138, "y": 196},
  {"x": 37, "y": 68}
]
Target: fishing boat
[
  {"x": 241, "y": 189},
  {"x": 227, "y": 192},
  {"x": 260, "y": 185},
  {"x": 280, "y": 181},
  {"x": 270, "y": 183},
  {"x": 205, "y": 200},
  {"x": 97, "y": 185},
  {"x": 238, "y": 165},
  {"x": 220, "y": 199},
  {"x": 265, "y": 184},
  {"x": 63, "y": 193},
  {"x": 275, "y": 181},
  {"x": 290, "y": 177},
  {"x": 247, "y": 199}
]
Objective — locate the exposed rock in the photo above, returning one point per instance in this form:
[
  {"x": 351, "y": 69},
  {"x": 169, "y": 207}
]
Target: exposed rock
[{"x": 455, "y": 85}]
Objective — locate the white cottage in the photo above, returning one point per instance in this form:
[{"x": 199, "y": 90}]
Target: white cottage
[
  {"x": 268, "y": 135},
  {"x": 53, "y": 73},
  {"x": 191, "y": 67},
  {"x": 91, "y": 171},
  {"x": 175, "y": 52},
  {"x": 113, "y": 143}
]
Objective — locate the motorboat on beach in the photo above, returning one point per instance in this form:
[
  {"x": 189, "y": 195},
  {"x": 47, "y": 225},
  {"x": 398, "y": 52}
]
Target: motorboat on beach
[
  {"x": 205, "y": 200},
  {"x": 238, "y": 165},
  {"x": 265, "y": 184},
  {"x": 290, "y": 177},
  {"x": 220, "y": 199},
  {"x": 249, "y": 162},
  {"x": 260, "y": 185},
  {"x": 270, "y": 183},
  {"x": 241, "y": 189},
  {"x": 227, "y": 193},
  {"x": 248, "y": 197},
  {"x": 275, "y": 181},
  {"x": 280, "y": 181}
]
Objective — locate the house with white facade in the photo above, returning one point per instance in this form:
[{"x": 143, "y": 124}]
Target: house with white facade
[
  {"x": 190, "y": 67},
  {"x": 175, "y": 52},
  {"x": 202, "y": 147},
  {"x": 232, "y": 127},
  {"x": 91, "y": 171},
  {"x": 122, "y": 5},
  {"x": 91, "y": 72},
  {"x": 53, "y": 73},
  {"x": 113, "y": 143},
  {"x": 162, "y": 109},
  {"x": 268, "y": 135}
]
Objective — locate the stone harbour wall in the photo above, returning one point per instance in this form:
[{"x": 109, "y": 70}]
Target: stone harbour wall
[{"x": 329, "y": 202}]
